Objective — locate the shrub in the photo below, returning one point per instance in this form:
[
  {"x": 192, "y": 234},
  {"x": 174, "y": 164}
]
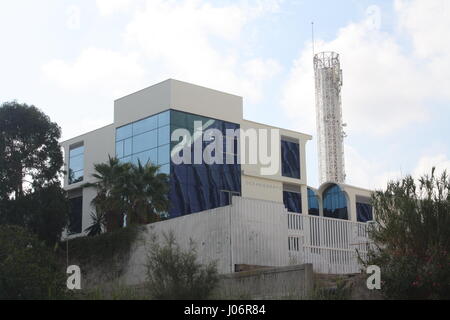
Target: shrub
[
  {"x": 28, "y": 269},
  {"x": 174, "y": 274},
  {"x": 412, "y": 238}
]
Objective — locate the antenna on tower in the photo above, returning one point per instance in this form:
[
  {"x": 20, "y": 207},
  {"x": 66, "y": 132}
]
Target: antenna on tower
[{"x": 313, "y": 40}]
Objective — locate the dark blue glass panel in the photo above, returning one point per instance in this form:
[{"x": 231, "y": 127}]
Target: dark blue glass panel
[
  {"x": 292, "y": 201},
  {"x": 364, "y": 212},
  {"x": 335, "y": 203},
  {"x": 290, "y": 157},
  {"x": 197, "y": 187},
  {"x": 313, "y": 203},
  {"x": 75, "y": 215}
]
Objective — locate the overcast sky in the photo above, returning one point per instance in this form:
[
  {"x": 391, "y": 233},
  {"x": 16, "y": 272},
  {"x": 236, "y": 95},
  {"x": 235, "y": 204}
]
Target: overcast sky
[{"x": 72, "y": 59}]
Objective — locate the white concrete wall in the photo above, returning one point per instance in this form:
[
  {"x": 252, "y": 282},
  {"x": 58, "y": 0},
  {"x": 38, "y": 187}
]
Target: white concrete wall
[
  {"x": 98, "y": 145},
  {"x": 178, "y": 95},
  {"x": 258, "y": 237}
]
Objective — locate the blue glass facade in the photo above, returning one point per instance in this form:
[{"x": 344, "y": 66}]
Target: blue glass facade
[
  {"x": 198, "y": 187},
  {"x": 292, "y": 201},
  {"x": 290, "y": 159},
  {"x": 364, "y": 212},
  {"x": 313, "y": 203},
  {"x": 193, "y": 187},
  {"x": 335, "y": 203},
  {"x": 146, "y": 140}
]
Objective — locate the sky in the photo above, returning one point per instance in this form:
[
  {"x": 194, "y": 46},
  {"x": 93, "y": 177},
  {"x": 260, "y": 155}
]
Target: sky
[{"x": 72, "y": 59}]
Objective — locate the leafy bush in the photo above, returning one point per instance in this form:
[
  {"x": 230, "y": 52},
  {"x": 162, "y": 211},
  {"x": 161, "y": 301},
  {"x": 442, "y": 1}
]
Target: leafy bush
[
  {"x": 28, "y": 269},
  {"x": 412, "y": 238},
  {"x": 174, "y": 274},
  {"x": 102, "y": 249}
]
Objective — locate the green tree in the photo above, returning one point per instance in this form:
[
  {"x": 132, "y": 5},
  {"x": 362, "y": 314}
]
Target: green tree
[
  {"x": 28, "y": 268},
  {"x": 146, "y": 193},
  {"x": 175, "y": 274},
  {"x": 138, "y": 191},
  {"x": 30, "y": 167},
  {"x": 43, "y": 212},
  {"x": 108, "y": 201},
  {"x": 30, "y": 155},
  {"x": 412, "y": 238}
]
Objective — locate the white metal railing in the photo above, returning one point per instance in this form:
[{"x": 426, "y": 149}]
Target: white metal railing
[{"x": 331, "y": 245}]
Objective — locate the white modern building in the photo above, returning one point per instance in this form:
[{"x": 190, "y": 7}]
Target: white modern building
[{"x": 143, "y": 128}]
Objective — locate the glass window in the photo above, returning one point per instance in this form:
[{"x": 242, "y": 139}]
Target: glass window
[
  {"x": 75, "y": 215},
  {"x": 164, "y": 119},
  {"x": 127, "y": 147},
  {"x": 77, "y": 151},
  {"x": 165, "y": 169},
  {"x": 119, "y": 149},
  {"x": 145, "y": 141},
  {"x": 145, "y": 125},
  {"x": 335, "y": 203},
  {"x": 76, "y": 164},
  {"x": 146, "y": 156},
  {"x": 163, "y": 135},
  {"x": 124, "y": 132},
  {"x": 292, "y": 201},
  {"x": 364, "y": 210},
  {"x": 164, "y": 154},
  {"x": 313, "y": 203},
  {"x": 290, "y": 159},
  {"x": 76, "y": 176}
]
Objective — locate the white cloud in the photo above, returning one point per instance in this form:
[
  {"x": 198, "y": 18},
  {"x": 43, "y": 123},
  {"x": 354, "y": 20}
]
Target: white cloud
[
  {"x": 383, "y": 89},
  {"x": 365, "y": 173},
  {"x": 182, "y": 38},
  {"x": 190, "y": 40},
  {"x": 96, "y": 70},
  {"x": 109, "y": 7},
  {"x": 440, "y": 161},
  {"x": 427, "y": 22}
]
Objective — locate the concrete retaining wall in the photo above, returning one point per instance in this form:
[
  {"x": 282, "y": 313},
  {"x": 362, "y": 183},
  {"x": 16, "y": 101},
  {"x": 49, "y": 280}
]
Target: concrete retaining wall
[{"x": 284, "y": 282}]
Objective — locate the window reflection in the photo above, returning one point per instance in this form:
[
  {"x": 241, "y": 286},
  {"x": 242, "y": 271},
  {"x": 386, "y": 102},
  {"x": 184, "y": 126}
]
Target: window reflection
[
  {"x": 76, "y": 164},
  {"x": 335, "y": 203}
]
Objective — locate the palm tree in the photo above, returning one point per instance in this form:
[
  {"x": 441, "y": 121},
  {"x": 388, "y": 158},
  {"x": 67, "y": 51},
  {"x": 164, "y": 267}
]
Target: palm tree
[
  {"x": 137, "y": 191},
  {"x": 146, "y": 193},
  {"x": 108, "y": 200}
]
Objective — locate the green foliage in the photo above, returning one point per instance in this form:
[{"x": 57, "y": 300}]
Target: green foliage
[
  {"x": 28, "y": 269},
  {"x": 412, "y": 238},
  {"x": 138, "y": 191},
  {"x": 102, "y": 250},
  {"x": 44, "y": 212},
  {"x": 30, "y": 165},
  {"x": 98, "y": 223},
  {"x": 174, "y": 274},
  {"x": 29, "y": 149}
]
